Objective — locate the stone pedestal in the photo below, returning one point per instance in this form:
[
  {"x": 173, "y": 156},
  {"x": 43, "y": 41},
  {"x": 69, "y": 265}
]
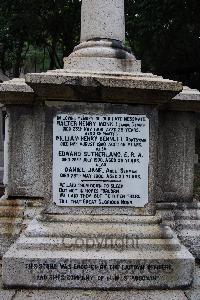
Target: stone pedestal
[
  {"x": 99, "y": 252},
  {"x": 99, "y": 246}
]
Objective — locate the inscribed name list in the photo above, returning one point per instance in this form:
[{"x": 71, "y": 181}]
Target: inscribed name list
[{"x": 100, "y": 160}]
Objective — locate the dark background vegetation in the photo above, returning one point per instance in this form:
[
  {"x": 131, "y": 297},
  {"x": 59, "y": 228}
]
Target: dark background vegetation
[{"x": 35, "y": 35}]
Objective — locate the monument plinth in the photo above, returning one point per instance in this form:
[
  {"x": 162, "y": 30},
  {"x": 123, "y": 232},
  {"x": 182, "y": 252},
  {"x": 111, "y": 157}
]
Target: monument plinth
[{"x": 100, "y": 161}]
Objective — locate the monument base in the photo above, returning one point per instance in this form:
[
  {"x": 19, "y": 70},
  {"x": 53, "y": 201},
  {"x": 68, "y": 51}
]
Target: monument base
[
  {"x": 100, "y": 252},
  {"x": 184, "y": 219},
  {"x": 104, "y": 55}
]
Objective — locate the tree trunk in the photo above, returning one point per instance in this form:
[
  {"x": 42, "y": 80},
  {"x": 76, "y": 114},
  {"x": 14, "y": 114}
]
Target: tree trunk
[{"x": 18, "y": 60}]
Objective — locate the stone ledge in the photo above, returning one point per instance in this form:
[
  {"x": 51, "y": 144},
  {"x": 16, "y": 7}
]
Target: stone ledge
[
  {"x": 16, "y": 91},
  {"x": 143, "y": 220},
  {"x": 94, "y": 87},
  {"x": 187, "y": 100},
  {"x": 90, "y": 230},
  {"x": 179, "y": 272},
  {"x": 72, "y": 244}
]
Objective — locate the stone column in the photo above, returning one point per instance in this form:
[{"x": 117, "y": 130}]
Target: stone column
[
  {"x": 102, "y": 19},
  {"x": 102, "y": 37}
]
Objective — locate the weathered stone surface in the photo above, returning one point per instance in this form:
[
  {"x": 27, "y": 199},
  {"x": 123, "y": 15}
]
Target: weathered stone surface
[
  {"x": 15, "y": 215},
  {"x": 176, "y": 268},
  {"x": 107, "y": 56},
  {"x": 100, "y": 20},
  {"x": 194, "y": 292},
  {"x": 116, "y": 87},
  {"x": 1, "y": 150},
  {"x": 184, "y": 219},
  {"x": 187, "y": 100},
  {"x": 7, "y": 295},
  {"x": 24, "y": 152},
  {"x": 99, "y": 295},
  {"x": 176, "y": 156},
  {"x": 191, "y": 294},
  {"x": 176, "y": 168},
  {"x": 16, "y": 91},
  {"x": 93, "y": 229},
  {"x": 98, "y": 253}
]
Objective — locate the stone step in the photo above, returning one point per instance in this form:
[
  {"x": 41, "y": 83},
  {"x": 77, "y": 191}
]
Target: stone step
[
  {"x": 11, "y": 211},
  {"x": 11, "y": 202},
  {"x": 10, "y": 227},
  {"x": 189, "y": 233},
  {"x": 144, "y": 220},
  {"x": 9, "y": 231},
  {"x": 92, "y": 294},
  {"x": 72, "y": 244},
  {"x": 42, "y": 229},
  {"x": 191, "y": 239},
  {"x": 105, "y": 269},
  {"x": 5, "y": 221},
  {"x": 5, "y": 243},
  {"x": 188, "y": 214},
  {"x": 178, "y": 205},
  {"x": 184, "y": 224}
]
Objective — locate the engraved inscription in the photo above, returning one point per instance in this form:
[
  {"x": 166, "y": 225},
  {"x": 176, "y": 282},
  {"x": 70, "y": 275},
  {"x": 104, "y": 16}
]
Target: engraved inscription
[
  {"x": 100, "y": 160},
  {"x": 75, "y": 271}
]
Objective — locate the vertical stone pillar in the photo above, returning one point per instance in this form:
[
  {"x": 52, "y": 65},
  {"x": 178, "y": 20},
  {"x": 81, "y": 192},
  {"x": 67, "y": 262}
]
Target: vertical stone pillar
[
  {"x": 24, "y": 157},
  {"x": 102, "y": 19},
  {"x": 1, "y": 151},
  {"x": 102, "y": 38},
  {"x": 23, "y": 160},
  {"x": 176, "y": 156}
]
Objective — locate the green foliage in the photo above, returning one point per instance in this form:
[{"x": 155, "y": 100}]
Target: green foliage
[
  {"x": 165, "y": 34},
  {"x": 52, "y": 26}
]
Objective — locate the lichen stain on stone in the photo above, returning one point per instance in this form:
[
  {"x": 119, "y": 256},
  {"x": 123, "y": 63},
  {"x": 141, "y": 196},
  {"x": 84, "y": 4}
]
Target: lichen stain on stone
[{"x": 9, "y": 217}]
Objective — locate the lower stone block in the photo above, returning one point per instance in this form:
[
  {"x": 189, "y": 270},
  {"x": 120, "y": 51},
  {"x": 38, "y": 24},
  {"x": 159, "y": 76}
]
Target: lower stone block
[
  {"x": 97, "y": 269},
  {"x": 98, "y": 252}
]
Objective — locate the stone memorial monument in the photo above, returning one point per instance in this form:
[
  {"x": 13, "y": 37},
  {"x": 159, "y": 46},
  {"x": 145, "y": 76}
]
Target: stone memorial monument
[{"x": 93, "y": 157}]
